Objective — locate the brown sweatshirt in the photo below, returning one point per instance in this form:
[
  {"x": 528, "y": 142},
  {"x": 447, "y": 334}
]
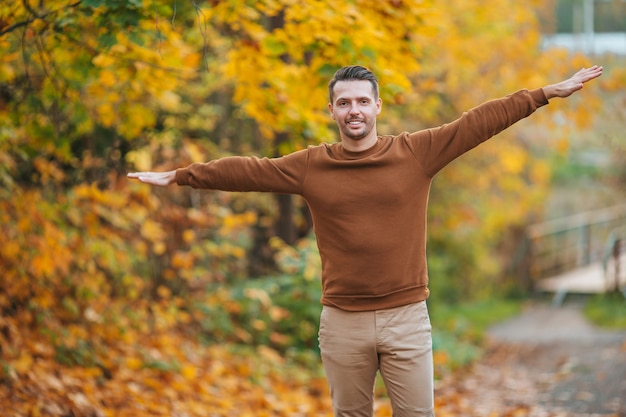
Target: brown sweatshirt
[{"x": 368, "y": 208}]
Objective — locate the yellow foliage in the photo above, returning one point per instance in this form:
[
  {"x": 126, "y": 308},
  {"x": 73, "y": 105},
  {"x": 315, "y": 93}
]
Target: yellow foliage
[
  {"x": 106, "y": 114},
  {"x": 562, "y": 145},
  {"x": 48, "y": 170},
  {"x": 23, "y": 363},
  {"x": 189, "y": 236},
  {"x": 514, "y": 162},
  {"x": 540, "y": 173},
  {"x": 152, "y": 231},
  {"x": 103, "y": 60},
  {"x": 182, "y": 260},
  {"x": 107, "y": 79},
  {"x": 164, "y": 292},
  {"x": 141, "y": 159},
  {"x": 133, "y": 363},
  {"x": 169, "y": 100},
  {"x": 281, "y": 95},
  {"x": 159, "y": 248}
]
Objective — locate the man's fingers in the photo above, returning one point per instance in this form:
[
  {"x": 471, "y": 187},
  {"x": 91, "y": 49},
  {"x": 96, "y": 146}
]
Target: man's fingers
[
  {"x": 154, "y": 178},
  {"x": 148, "y": 177},
  {"x": 587, "y": 74}
]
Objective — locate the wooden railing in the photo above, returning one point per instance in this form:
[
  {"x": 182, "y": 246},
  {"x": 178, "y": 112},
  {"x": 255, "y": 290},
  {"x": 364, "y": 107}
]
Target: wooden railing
[{"x": 557, "y": 246}]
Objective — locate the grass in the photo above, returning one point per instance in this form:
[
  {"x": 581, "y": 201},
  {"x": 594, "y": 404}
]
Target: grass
[
  {"x": 607, "y": 311},
  {"x": 459, "y": 330}
]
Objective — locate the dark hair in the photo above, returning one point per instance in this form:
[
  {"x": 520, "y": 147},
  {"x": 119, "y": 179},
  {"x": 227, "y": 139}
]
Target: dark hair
[{"x": 353, "y": 73}]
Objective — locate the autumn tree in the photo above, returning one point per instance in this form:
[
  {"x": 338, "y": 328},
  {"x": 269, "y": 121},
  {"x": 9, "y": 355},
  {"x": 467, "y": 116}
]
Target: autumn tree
[{"x": 81, "y": 79}]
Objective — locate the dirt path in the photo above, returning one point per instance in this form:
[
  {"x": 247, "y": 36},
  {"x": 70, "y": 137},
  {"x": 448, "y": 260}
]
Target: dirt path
[{"x": 547, "y": 362}]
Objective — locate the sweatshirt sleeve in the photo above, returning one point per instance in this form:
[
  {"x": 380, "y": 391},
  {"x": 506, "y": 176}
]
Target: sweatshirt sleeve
[
  {"x": 437, "y": 147},
  {"x": 242, "y": 173}
]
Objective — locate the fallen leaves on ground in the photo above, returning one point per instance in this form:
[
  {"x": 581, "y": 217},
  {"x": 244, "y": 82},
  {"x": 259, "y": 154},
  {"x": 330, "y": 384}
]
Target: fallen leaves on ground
[
  {"x": 167, "y": 375},
  {"x": 514, "y": 380}
]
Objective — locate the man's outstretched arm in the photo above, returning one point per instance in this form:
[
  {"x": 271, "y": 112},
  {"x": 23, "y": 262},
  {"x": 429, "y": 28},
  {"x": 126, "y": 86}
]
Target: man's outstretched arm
[
  {"x": 283, "y": 175},
  {"x": 574, "y": 83},
  {"x": 155, "y": 178}
]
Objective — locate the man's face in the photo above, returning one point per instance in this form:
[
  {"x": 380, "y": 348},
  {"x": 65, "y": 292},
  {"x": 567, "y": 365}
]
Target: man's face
[{"x": 355, "y": 108}]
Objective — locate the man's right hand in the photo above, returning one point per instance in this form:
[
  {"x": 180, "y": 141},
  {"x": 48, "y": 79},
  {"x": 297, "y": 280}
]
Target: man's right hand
[
  {"x": 571, "y": 85},
  {"x": 155, "y": 178}
]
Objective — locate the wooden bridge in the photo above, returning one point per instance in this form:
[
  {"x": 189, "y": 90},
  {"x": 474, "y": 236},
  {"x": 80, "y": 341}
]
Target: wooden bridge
[{"x": 581, "y": 254}]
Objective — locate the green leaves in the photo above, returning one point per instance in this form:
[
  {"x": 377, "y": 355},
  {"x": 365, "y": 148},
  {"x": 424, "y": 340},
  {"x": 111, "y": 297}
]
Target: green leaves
[
  {"x": 93, "y": 3},
  {"x": 274, "y": 46}
]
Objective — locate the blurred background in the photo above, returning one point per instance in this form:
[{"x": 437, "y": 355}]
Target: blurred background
[{"x": 119, "y": 298}]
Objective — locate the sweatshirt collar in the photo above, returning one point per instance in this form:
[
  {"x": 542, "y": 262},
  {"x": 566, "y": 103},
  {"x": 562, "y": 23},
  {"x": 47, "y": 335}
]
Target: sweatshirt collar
[{"x": 343, "y": 153}]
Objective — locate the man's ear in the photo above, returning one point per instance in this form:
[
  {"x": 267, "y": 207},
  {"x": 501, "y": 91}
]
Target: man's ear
[
  {"x": 330, "y": 110},
  {"x": 379, "y": 105}
]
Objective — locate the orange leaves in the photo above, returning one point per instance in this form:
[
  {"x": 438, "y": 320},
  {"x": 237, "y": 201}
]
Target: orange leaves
[
  {"x": 233, "y": 223},
  {"x": 77, "y": 284},
  {"x": 168, "y": 375},
  {"x": 55, "y": 262},
  {"x": 152, "y": 231},
  {"x": 48, "y": 171}
]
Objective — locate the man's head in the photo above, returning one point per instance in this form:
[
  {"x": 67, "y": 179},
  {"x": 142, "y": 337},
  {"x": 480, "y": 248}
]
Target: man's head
[
  {"x": 354, "y": 106},
  {"x": 353, "y": 73}
]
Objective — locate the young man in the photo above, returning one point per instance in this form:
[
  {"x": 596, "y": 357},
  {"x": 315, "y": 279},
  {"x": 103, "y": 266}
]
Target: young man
[{"x": 368, "y": 196}]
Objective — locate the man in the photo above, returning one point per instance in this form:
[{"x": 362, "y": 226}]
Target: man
[{"x": 368, "y": 196}]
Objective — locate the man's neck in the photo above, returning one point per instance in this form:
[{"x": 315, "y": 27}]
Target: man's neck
[{"x": 360, "y": 145}]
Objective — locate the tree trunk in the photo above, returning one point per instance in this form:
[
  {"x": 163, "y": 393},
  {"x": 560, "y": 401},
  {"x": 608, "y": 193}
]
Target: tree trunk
[{"x": 284, "y": 226}]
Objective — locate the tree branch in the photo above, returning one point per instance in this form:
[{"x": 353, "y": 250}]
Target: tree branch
[{"x": 35, "y": 17}]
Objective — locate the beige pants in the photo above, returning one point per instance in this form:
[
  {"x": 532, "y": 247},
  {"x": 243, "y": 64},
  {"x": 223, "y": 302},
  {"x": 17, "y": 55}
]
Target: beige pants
[{"x": 396, "y": 341}]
